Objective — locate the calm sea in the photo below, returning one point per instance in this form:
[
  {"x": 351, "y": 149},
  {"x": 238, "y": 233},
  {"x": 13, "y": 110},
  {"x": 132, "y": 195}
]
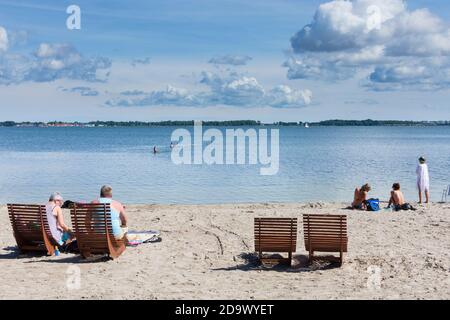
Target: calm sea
[{"x": 316, "y": 164}]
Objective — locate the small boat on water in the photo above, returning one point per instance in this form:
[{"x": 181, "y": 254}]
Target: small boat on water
[{"x": 306, "y": 125}]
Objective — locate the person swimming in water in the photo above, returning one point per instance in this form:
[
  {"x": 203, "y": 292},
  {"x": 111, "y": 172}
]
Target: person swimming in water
[{"x": 155, "y": 151}]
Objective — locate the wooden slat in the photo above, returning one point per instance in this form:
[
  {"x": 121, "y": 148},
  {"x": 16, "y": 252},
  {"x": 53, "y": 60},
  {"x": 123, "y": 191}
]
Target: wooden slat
[
  {"x": 275, "y": 235},
  {"x": 281, "y": 228},
  {"x": 278, "y": 234},
  {"x": 315, "y": 217},
  {"x": 274, "y": 241},
  {"x": 282, "y": 225},
  {"x": 325, "y": 233},
  {"x": 93, "y": 228},
  {"x": 29, "y": 225}
]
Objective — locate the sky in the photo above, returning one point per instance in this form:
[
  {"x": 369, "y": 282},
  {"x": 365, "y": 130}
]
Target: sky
[{"x": 272, "y": 60}]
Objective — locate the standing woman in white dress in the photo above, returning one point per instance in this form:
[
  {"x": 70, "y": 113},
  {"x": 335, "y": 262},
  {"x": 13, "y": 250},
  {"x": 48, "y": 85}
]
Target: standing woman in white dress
[{"x": 423, "y": 180}]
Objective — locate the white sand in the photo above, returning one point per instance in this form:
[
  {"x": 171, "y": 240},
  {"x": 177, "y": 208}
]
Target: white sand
[{"x": 199, "y": 258}]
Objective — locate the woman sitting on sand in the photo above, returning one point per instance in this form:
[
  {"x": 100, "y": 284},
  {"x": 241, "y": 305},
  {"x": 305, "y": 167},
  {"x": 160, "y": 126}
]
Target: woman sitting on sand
[
  {"x": 360, "y": 197},
  {"x": 60, "y": 232}
]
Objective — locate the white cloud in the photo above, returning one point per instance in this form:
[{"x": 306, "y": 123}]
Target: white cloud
[
  {"x": 380, "y": 35},
  {"x": 340, "y": 25},
  {"x": 140, "y": 61},
  {"x": 223, "y": 89},
  {"x": 283, "y": 96},
  {"x": 46, "y": 50},
  {"x": 17, "y": 37},
  {"x": 132, "y": 93},
  {"x": 83, "y": 91},
  {"x": 365, "y": 56},
  {"x": 233, "y": 88},
  {"x": 170, "y": 96},
  {"x": 317, "y": 66},
  {"x": 51, "y": 62},
  {"x": 425, "y": 74},
  {"x": 56, "y": 61},
  {"x": 3, "y": 39},
  {"x": 231, "y": 59}
]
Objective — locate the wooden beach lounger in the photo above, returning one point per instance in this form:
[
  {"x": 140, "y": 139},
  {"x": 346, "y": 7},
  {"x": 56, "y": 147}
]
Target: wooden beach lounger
[
  {"x": 30, "y": 227},
  {"x": 93, "y": 230},
  {"x": 276, "y": 235},
  {"x": 325, "y": 233}
]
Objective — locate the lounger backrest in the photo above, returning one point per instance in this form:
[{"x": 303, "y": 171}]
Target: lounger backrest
[
  {"x": 275, "y": 234},
  {"x": 47, "y": 227},
  {"x": 325, "y": 233},
  {"x": 26, "y": 221},
  {"x": 92, "y": 226}
]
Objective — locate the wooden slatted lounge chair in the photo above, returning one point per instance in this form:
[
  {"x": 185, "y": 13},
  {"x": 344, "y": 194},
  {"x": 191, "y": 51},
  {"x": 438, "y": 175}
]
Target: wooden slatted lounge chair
[
  {"x": 276, "y": 235},
  {"x": 325, "y": 233},
  {"x": 30, "y": 227},
  {"x": 93, "y": 230}
]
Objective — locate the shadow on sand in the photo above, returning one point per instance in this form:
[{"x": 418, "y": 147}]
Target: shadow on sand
[
  {"x": 72, "y": 258},
  {"x": 300, "y": 263},
  {"x": 14, "y": 253}
]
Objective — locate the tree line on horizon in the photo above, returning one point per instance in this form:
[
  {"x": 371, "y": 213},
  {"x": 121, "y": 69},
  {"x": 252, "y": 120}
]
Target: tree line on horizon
[{"x": 336, "y": 122}]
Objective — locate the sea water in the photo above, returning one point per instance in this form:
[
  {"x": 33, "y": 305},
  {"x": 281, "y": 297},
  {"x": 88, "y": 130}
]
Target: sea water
[{"x": 316, "y": 164}]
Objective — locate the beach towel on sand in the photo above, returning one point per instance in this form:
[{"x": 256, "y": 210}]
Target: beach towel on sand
[{"x": 139, "y": 237}]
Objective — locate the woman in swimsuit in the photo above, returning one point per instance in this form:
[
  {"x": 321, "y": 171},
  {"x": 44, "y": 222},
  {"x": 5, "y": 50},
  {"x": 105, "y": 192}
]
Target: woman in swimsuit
[{"x": 360, "y": 197}]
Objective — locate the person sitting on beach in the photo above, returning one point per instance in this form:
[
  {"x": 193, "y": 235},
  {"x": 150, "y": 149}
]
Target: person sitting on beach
[
  {"x": 360, "y": 197},
  {"x": 423, "y": 180},
  {"x": 118, "y": 216},
  {"x": 60, "y": 232},
  {"x": 398, "y": 200}
]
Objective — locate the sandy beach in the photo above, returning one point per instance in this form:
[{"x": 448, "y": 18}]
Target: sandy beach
[{"x": 206, "y": 252}]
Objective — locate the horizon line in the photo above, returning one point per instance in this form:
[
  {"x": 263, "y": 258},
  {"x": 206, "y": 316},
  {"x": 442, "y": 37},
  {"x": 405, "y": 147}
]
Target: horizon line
[{"x": 334, "y": 122}]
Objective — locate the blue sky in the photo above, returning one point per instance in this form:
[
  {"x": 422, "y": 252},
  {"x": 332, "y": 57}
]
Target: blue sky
[
  {"x": 158, "y": 60},
  {"x": 169, "y": 28}
]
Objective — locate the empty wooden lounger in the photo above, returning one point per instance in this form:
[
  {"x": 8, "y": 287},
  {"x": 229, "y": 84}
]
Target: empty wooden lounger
[
  {"x": 325, "y": 233},
  {"x": 93, "y": 230},
  {"x": 276, "y": 235},
  {"x": 30, "y": 227}
]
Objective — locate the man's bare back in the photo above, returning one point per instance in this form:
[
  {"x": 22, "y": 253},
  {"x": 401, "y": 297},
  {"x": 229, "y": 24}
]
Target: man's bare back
[{"x": 397, "y": 198}]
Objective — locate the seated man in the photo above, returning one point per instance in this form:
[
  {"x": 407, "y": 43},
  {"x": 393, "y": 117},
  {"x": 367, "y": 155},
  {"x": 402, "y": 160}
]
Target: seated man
[
  {"x": 360, "y": 197},
  {"x": 398, "y": 200},
  {"x": 118, "y": 216}
]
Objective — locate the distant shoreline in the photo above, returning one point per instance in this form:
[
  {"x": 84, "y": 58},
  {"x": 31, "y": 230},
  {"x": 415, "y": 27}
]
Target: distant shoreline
[{"x": 326, "y": 123}]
